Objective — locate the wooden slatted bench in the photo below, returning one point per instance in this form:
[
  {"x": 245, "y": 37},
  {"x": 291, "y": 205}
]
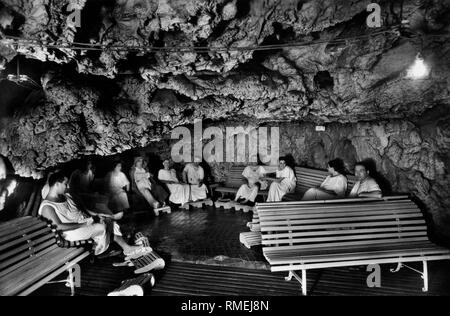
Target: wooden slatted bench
[
  {"x": 349, "y": 232},
  {"x": 31, "y": 257},
  {"x": 309, "y": 178}
]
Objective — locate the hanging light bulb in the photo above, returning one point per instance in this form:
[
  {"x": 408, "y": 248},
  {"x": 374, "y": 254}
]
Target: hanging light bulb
[{"x": 419, "y": 69}]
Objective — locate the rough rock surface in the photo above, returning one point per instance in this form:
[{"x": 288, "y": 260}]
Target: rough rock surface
[{"x": 112, "y": 101}]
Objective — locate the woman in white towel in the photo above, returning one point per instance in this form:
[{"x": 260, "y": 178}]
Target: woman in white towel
[
  {"x": 179, "y": 192},
  {"x": 333, "y": 187}
]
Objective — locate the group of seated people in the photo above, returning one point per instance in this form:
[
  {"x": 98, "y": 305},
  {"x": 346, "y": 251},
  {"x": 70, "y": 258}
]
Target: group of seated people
[
  {"x": 283, "y": 181},
  {"x": 71, "y": 204},
  {"x": 81, "y": 214}
]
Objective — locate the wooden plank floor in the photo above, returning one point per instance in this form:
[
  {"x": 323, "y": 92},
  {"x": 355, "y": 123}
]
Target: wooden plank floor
[{"x": 186, "y": 279}]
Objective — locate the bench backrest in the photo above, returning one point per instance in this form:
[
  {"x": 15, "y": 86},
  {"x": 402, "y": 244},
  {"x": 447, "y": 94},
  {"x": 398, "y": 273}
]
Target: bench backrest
[
  {"x": 23, "y": 239},
  {"x": 299, "y": 226}
]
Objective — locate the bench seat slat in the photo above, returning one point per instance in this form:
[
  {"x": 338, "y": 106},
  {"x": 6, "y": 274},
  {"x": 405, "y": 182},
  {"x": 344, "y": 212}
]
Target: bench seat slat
[
  {"x": 279, "y": 258},
  {"x": 326, "y": 246},
  {"x": 339, "y": 220},
  {"x": 315, "y": 208},
  {"x": 26, "y": 274},
  {"x": 332, "y": 239},
  {"x": 22, "y": 259},
  {"x": 15, "y": 231},
  {"x": 342, "y": 263},
  {"x": 332, "y": 226},
  {"x": 336, "y": 213},
  {"x": 29, "y": 236},
  {"x": 293, "y": 235},
  {"x": 31, "y": 248}
]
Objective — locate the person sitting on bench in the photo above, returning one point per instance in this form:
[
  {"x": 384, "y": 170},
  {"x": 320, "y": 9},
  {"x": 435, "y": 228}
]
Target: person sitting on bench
[
  {"x": 153, "y": 193},
  {"x": 283, "y": 183},
  {"x": 77, "y": 224},
  {"x": 248, "y": 192},
  {"x": 334, "y": 186},
  {"x": 366, "y": 186},
  {"x": 193, "y": 174},
  {"x": 179, "y": 192}
]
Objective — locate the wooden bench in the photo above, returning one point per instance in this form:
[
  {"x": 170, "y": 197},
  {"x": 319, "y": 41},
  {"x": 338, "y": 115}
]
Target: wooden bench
[
  {"x": 349, "y": 232},
  {"x": 31, "y": 257}
]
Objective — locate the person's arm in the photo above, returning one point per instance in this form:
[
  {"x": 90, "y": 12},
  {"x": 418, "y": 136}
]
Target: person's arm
[
  {"x": 374, "y": 194},
  {"x": 49, "y": 213}
]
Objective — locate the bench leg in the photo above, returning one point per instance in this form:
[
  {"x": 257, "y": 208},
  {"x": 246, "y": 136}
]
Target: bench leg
[
  {"x": 425, "y": 276},
  {"x": 399, "y": 266},
  {"x": 423, "y": 273},
  {"x": 301, "y": 280},
  {"x": 74, "y": 279}
]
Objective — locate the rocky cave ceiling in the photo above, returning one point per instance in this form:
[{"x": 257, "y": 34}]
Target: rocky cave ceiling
[{"x": 109, "y": 101}]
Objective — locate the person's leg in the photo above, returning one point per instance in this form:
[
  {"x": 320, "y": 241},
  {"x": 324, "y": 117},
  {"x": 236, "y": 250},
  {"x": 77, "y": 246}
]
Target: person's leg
[
  {"x": 310, "y": 195},
  {"x": 198, "y": 193},
  {"x": 98, "y": 232},
  {"x": 159, "y": 193},
  {"x": 274, "y": 192},
  {"x": 150, "y": 198},
  {"x": 240, "y": 192}
]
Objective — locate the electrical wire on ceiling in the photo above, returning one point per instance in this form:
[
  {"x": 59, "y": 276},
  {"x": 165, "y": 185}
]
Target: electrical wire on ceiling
[{"x": 17, "y": 42}]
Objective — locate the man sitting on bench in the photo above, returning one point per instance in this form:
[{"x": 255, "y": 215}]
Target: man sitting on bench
[
  {"x": 283, "y": 183},
  {"x": 366, "y": 186},
  {"x": 76, "y": 225}
]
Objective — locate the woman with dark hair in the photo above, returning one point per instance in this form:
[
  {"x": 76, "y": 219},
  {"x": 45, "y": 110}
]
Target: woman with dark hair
[
  {"x": 116, "y": 183},
  {"x": 333, "y": 187}
]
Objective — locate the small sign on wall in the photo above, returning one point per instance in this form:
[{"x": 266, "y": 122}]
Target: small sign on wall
[{"x": 320, "y": 128}]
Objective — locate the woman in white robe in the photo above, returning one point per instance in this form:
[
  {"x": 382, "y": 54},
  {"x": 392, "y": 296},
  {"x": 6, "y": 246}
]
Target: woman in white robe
[
  {"x": 179, "y": 193},
  {"x": 284, "y": 183},
  {"x": 333, "y": 187},
  {"x": 193, "y": 174},
  {"x": 117, "y": 186},
  {"x": 141, "y": 177}
]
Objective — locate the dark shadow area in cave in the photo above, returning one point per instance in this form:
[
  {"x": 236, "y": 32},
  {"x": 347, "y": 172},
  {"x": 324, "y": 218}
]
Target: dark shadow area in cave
[
  {"x": 385, "y": 185},
  {"x": 324, "y": 80}
]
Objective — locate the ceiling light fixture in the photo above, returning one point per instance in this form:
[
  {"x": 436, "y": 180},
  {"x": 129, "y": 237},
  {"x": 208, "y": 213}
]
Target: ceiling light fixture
[{"x": 418, "y": 70}]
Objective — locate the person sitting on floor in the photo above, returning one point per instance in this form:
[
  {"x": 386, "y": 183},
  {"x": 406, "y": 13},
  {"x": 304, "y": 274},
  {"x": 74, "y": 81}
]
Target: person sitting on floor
[
  {"x": 153, "y": 193},
  {"x": 77, "y": 224},
  {"x": 117, "y": 186},
  {"x": 193, "y": 174},
  {"x": 284, "y": 182},
  {"x": 179, "y": 192},
  {"x": 366, "y": 186},
  {"x": 248, "y": 192},
  {"x": 334, "y": 186}
]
